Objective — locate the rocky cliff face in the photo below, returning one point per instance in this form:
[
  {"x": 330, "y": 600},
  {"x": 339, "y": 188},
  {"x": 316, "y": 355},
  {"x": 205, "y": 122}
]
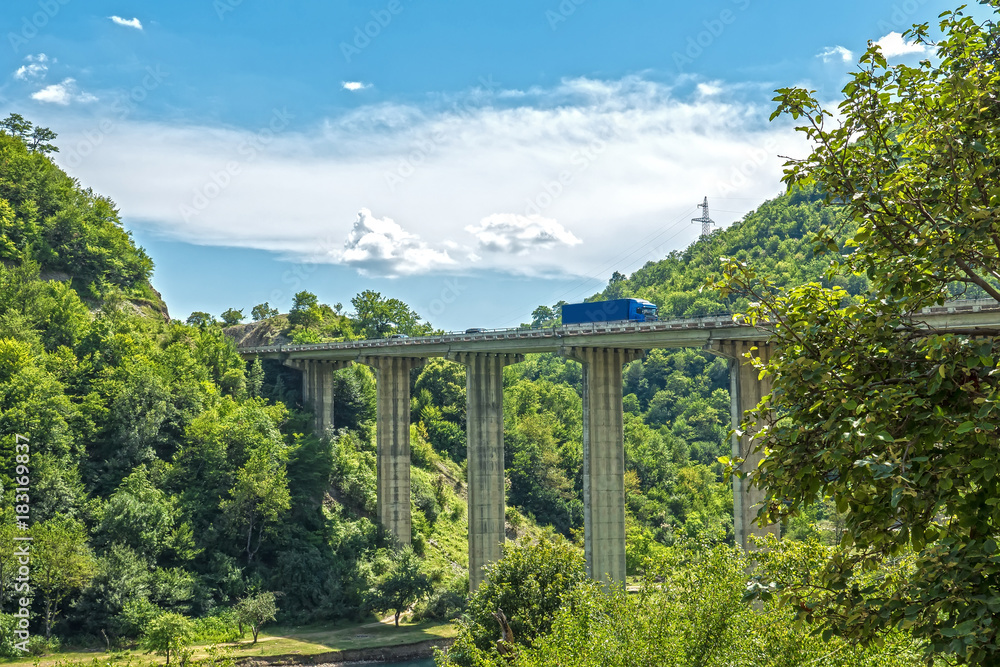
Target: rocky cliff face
[{"x": 258, "y": 334}]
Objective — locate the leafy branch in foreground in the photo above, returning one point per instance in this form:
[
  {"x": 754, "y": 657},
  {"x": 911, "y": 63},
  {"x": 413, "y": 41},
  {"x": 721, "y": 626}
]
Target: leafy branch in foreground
[{"x": 893, "y": 420}]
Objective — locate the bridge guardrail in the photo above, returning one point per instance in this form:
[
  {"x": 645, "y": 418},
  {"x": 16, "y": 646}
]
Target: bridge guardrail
[
  {"x": 567, "y": 330},
  {"x": 570, "y": 330}
]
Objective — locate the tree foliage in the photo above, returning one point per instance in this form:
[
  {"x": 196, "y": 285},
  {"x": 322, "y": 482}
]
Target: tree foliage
[
  {"x": 305, "y": 310},
  {"x": 61, "y": 564},
  {"x": 255, "y": 610},
  {"x": 36, "y": 138},
  {"x": 232, "y": 317},
  {"x": 46, "y": 217},
  {"x": 892, "y": 419},
  {"x": 689, "y": 612},
  {"x": 259, "y": 497},
  {"x": 377, "y": 316},
  {"x": 167, "y": 634},
  {"x": 263, "y": 311},
  {"x": 529, "y": 584},
  {"x": 400, "y": 586}
]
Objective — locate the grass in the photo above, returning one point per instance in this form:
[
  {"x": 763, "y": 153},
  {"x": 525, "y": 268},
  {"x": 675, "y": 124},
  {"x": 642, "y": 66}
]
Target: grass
[{"x": 292, "y": 641}]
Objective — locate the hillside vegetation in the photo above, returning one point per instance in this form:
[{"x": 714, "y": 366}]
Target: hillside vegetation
[
  {"x": 183, "y": 483},
  {"x": 46, "y": 217}
]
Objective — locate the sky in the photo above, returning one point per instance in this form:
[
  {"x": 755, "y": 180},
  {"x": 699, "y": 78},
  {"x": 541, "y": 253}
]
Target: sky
[{"x": 475, "y": 160}]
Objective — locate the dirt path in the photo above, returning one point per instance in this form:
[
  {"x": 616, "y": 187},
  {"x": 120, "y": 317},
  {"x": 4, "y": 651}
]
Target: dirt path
[{"x": 388, "y": 620}]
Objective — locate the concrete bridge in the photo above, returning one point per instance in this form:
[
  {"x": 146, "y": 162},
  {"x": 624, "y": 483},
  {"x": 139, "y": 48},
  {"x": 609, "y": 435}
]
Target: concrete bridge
[{"x": 602, "y": 348}]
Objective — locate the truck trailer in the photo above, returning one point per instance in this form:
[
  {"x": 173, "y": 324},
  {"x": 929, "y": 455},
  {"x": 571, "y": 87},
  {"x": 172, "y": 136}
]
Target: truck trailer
[{"x": 636, "y": 310}]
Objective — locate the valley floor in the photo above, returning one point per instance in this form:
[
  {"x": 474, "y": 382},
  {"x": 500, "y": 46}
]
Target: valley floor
[{"x": 283, "y": 644}]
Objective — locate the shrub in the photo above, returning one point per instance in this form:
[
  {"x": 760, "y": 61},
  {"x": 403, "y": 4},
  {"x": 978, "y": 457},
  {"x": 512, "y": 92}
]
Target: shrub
[
  {"x": 8, "y": 623},
  {"x": 256, "y": 610},
  {"x": 167, "y": 634}
]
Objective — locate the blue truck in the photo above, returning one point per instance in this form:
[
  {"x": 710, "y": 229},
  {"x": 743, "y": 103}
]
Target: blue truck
[{"x": 636, "y": 310}]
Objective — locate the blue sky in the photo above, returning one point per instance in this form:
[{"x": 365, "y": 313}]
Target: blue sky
[{"x": 473, "y": 159}]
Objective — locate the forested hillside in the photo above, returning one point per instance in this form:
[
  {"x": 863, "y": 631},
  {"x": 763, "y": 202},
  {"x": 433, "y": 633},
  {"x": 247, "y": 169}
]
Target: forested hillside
[
  {"x": 181, "y": 480},
  {"x": 774, "y": 238},
  {"x": 162, "y": 479},
  {"x": 71, "y": 232}
]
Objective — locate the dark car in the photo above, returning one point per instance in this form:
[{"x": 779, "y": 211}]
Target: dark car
[
  {"x": 475, "y": 330},
  {"x": 397, "y": 336}
]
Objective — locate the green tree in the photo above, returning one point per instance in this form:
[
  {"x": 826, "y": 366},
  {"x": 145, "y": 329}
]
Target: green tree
[
  {"x": 690, "y": 612},
  {"x": 254, "y": 611},
  {"x": 47, "y": 217},
  {"x": 542, "y": 316},
  {"x": 61, "y": 564},
  {"x": 617, "y": 286},
  {"x": 306, "y": 311},
  {"x": 401, "y": 586},
  {"x": 200, "y": 319},
  {"x": 528, "y": 584},
  {"x": 143, "y": 518},
  {"x": 232, "y": 317},
  {"x": 8, "y": 561},
  {"x": 444, "y": 382},
  {"x": 263, "y": 311},
  {"x": 16, "y": 125},
  {"x": 259, "y": 497},
  {"x": 377, "y": 317},
  {"x": 36, "y": 138},
  {"x": 891, "y": 419},
  {"x": 255, "y": 379},
  {"x": 168, "y": 633}
]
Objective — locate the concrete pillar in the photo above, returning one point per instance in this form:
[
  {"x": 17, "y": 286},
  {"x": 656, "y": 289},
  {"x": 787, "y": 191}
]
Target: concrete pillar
[
  {"x": 317, "y": 389},
  {"x": 484, "y": 439},
  {"x": 393, "y": 441},
  {"x": 746, "y": 388},
  {"x": 603, "y": 459}
]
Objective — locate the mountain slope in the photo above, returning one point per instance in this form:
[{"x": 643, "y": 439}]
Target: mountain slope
[{"x": 774, "y": 238}]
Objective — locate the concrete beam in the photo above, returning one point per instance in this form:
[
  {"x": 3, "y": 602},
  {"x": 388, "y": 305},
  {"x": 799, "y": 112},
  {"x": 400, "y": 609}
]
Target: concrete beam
[
  {"x": 969, "y": 317},
  {"x": 484, "y": 439},
  {"x": 746, "y": 388},
  {"x": 393, "y": 441},
  {"x": 317, "y": 389},
  {"x": 603, "y": 459}
]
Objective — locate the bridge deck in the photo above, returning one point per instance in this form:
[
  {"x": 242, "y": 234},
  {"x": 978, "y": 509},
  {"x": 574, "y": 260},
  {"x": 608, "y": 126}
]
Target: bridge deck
[{"x": 692, "y": 332}]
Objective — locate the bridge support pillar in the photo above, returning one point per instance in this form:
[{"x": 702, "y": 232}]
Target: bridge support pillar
[
  {"x": 484, "y": 438},
  {"x": 317, "y": 389},
  {"x": 746, "y": 388},
  {"x": 603, "y": 459},
  {"x": 393, "y": 441}
]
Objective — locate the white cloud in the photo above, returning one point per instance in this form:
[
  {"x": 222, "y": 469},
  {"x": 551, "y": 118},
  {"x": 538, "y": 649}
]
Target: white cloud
[
  {"x": 836, "y": 53},
  {"x": 893, "y": 45},
  {"x": 62, "y": 93},
  {"x": 35, "y": 69},
  {"x": 355, "y": 85},
  {"x": 128, "y": 23},
  {"x": 621, "y": 163},
  {"x": 520, "y": 234},
  {"x": 380, "y": 246},
  {"x": 709, "y": 88}
]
